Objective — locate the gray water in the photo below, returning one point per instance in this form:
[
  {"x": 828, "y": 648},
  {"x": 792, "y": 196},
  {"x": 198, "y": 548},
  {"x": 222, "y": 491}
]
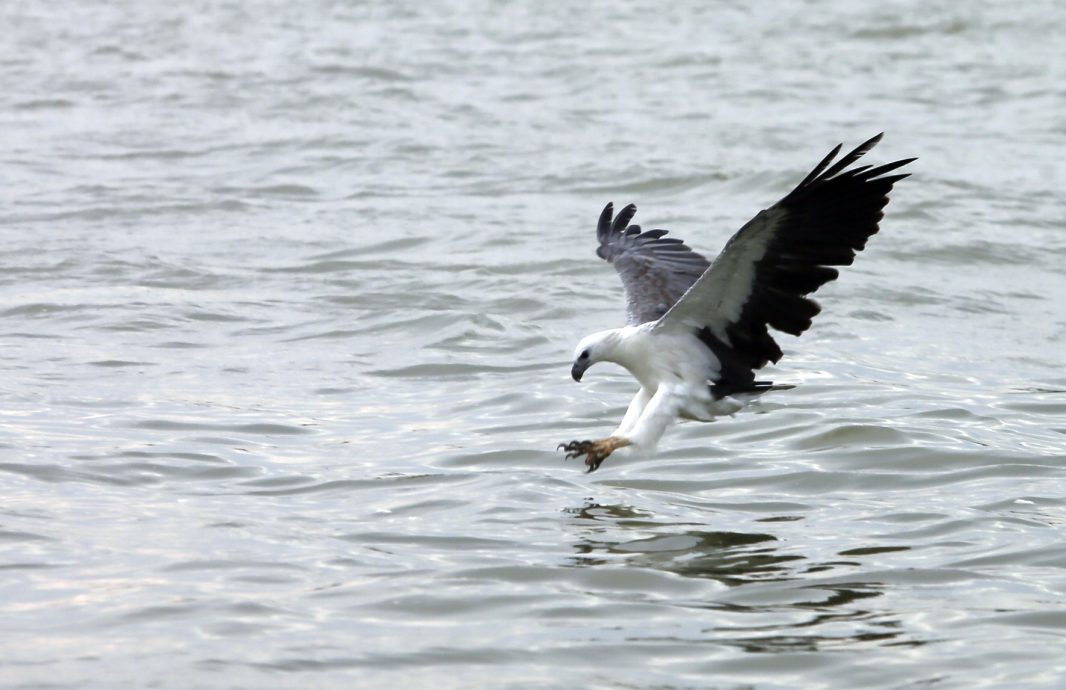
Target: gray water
[{"x": 288, "y": 297}]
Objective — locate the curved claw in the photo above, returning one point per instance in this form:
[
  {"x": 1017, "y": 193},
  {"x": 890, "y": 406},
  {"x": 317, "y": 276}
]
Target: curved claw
[
  {"x": 595, "y": 452},
  {"x": 575, "y": 449}
]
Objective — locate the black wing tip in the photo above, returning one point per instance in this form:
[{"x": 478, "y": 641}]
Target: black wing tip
[
  {"x": 827, "y": 169},
  {"x": 621, "y": 220},
  {"x": 603, "y": 226},
  {"x": 872, "y": 174},
  {"x": 852, "y": 156},
  {"x": 901, "y": 162},
  {"x": 872, "y": 141},
  {"x": 865, "y": 147},
  {"x": 610, "y": 224}
]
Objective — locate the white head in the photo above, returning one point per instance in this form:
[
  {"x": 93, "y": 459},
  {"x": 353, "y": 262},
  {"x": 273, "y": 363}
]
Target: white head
[{"x": 598, "y": 347}]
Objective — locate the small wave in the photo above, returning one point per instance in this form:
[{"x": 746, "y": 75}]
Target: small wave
[
  {"x": 259, "y": 429},
  {"x": 44, "y": 104},
  {"x": 452, "y": 369}
]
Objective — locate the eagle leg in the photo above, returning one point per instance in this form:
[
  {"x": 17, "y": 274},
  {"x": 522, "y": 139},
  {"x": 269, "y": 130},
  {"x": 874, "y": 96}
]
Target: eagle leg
[{"x": 595, "y": 452}]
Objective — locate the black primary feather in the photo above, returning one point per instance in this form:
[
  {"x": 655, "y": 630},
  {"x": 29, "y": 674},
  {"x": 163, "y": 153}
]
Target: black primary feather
[{"x": 823, "y": 222}]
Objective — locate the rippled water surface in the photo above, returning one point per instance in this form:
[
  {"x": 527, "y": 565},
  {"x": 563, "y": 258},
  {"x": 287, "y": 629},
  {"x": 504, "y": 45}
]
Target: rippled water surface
[{"x": 287, "y": 301}]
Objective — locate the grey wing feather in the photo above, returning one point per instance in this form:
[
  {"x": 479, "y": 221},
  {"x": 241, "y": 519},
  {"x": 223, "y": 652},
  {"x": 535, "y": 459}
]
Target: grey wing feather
[{"x": 655, "y": 270}]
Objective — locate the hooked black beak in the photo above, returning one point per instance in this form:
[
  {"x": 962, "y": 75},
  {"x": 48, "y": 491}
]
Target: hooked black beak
[{"x": 578, "y": 370}]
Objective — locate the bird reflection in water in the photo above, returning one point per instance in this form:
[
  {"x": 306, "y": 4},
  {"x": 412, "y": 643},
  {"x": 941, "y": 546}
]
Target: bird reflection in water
[
  {"x": 732, "y": 558},
  {"x": 773, "y": 602}
]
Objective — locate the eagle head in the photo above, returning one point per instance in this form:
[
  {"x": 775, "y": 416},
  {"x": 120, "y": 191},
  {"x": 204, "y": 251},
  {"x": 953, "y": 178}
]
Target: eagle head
[{"x": 598, "y": 347}]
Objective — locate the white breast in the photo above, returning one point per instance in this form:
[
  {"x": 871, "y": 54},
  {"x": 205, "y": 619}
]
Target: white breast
[{"x": 655, "y": 357}]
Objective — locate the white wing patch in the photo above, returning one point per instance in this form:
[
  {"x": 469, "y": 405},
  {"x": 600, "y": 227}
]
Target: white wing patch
[{"x": 718, "y": 297}]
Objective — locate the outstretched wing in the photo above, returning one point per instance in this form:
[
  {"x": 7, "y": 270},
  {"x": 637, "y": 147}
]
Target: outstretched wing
[
  {"x": 655, "y": 270},
  {"x": 765, "y": 272}
]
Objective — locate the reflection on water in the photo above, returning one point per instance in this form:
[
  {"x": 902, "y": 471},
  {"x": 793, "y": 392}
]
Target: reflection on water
[
  {"x": 775, "y": 605},
  {"x": 732, "y": 558},
  {"x": 749, "y": 639}
]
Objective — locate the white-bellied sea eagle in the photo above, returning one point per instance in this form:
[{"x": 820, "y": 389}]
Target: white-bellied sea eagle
[{"x": 697, "y": 331}]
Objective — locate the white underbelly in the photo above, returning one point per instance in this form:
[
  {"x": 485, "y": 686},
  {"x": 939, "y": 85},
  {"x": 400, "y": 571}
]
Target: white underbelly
[{"x": 706, "y": 410}]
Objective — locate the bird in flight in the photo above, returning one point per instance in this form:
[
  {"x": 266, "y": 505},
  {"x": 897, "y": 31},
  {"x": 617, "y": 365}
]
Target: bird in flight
[{"x": 696, "y": 331}]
